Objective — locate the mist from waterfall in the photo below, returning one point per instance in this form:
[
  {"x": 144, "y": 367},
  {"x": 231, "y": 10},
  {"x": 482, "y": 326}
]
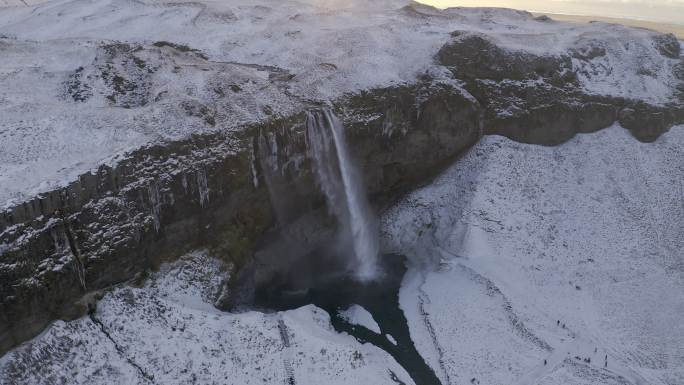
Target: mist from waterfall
[{"x": 341, "y": 184}]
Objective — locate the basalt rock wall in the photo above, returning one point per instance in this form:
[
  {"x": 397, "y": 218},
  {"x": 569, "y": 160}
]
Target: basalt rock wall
[
  {"x": 226, "y": 190},
  {"x": 539, "y": 100},
  {"x": 209, "y": 191}
]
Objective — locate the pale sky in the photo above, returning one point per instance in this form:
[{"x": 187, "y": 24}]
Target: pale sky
[{"x": 670, "y": 11}]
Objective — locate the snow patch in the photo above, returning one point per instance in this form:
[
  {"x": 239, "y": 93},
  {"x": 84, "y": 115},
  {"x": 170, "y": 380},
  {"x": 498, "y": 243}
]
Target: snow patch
[
  {"x": 523, "y": 247},
  {"x": 357, "y": 315},
  {"x": 167, "y": 330},
  {"x": 219, "y": 65}
]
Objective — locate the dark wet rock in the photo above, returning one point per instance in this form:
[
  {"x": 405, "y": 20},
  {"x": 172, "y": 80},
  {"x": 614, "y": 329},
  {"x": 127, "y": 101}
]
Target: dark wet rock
[
  {"x": 400, "y": 137},
  {"x": 118, "y": 73},
  {"x": 528, "y": 98},
  {"x": 180, "y": 48},
  {"x": 411, "y": 132},
  {"x": 76, "y": 88},
  {"x": 127, "y": 75},
  {"x": 647, "y": 123},
  {"x": 537, "y": 99},
  {"x": 210, "y": 191},
  {"x": 547, "y": 115},
  {"x": 199, "y": 110},
  {"x": 474, "y": 56},
  {"x": 124, "y": 74},
  {"x": 679, "y": 70},
  {"x": 233, "y": 190},
  {"x": 668, "y": 45},
  {"x": 588, "y": 52},
  {"x": 543, "y": 18},
  {"x": 679, "y": 74}
]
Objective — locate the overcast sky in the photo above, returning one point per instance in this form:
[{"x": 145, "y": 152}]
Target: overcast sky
[{"x": 654, "y": 10}]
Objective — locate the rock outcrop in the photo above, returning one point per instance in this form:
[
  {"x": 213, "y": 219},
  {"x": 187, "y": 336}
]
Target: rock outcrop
[
  {"x": 538, "y": 99},
  {"x": 209, "y": 190},
  {"x": 225, "y": 189}
]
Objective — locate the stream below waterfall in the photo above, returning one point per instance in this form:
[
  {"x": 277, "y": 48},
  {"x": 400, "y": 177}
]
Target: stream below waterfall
[
  {"x": 349, "y": 270},
  {"x": 336, "y": 292}
]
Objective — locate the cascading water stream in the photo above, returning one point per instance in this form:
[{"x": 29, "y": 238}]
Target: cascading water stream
[{"x": 341, "y": 184}]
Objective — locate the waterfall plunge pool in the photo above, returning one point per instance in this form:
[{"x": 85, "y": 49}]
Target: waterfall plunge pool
[{"x": 335, "y": 292}]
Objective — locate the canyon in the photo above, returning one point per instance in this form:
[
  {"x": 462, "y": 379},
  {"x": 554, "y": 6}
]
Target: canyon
[{"x": 177, "y": 145}]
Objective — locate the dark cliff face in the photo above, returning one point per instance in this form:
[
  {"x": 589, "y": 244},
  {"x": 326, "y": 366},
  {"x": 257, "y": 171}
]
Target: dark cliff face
[
  {"x": 210, "y": 191},
  {"x": 158, "y": 202},
  {"x": 231, "y": 191},
  {"x": 537, "y": 99}
]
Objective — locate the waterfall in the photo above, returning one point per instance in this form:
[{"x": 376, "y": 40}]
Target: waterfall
[{"x": 341, "y": 184}]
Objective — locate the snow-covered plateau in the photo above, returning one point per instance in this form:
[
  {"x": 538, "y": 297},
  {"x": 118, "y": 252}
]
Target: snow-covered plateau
[
  {"x": 82, "y": 82},
  {"x": 532, "y": 264},
  {"x": 528, "y": 265},
  {"x": 168, "y": 332},
  {"x": 158, "y": 191}
]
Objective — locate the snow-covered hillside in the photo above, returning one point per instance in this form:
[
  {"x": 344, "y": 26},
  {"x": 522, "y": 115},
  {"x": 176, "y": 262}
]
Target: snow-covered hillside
[
  {"x": 168, "y": 332},
  {"x": 570, "y": 254},
  {"x": 19, "y": 3},
  {"x": 72, "y": 96},
  {"x": 529, "y": 265}
]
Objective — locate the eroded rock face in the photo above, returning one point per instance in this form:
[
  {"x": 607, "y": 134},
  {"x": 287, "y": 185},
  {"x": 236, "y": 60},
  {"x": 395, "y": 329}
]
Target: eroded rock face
[
  {"x": 211, "y": 190},
  {"x": 541, "y": 113},
  {"x": 226, "y": 189},
  {"x": 166, "y": 331},
  {"x": 422, "y": 129},
  {"x": 399, "y": 137},
  {"x": 647, "y": 123},
  {"x": 475, "y": 56},
  {"x": 538, "y": 99},
  {"x": 115, "y": 224},
  {"x": 668, "y": 45},
  {"x": 597, "y": 211}
]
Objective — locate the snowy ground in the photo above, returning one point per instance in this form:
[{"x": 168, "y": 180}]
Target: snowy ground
[
  {"x": 529, "y": 265},
  {"x": 19, "y": 3},
  {"x": 520, "y": 253},
  {"x": 570, "y": 254},
  {"x": 254, "y": 59},
  {"x": 168, "y": 333},
  {"x": 357, "y": 315}
]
